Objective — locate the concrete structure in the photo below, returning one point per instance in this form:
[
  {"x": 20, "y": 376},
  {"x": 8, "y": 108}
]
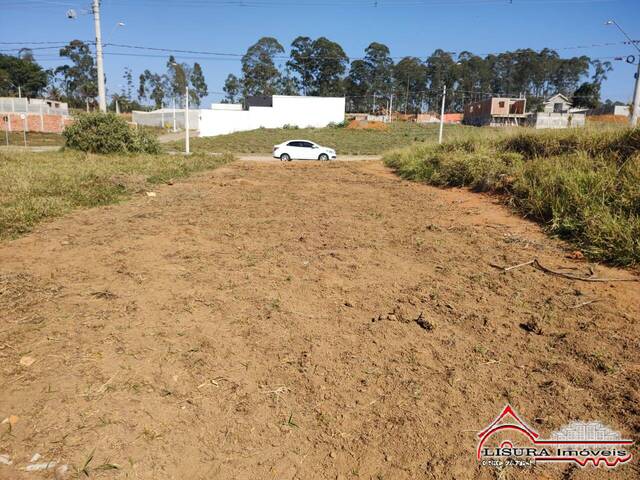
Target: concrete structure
[
  {"x": 453, "y": 118},
  {"x": 33, "y": 105},
  {"x": 557, "y": 112},
  {"x": 495, "y": 111},
  {"x": 33, "y": 115},
  {"x": 557, "y": 104},
  {"x": 617, "y": 110},
  {"x": 163, "y": 118},
  {"x": 427, "y": 118},
  {"x": 31, "y": 122},
  {"x": 275, "y": 111}
]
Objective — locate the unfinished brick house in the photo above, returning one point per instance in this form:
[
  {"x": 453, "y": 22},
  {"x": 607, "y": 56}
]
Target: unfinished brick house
[
  {"x": 496, "y": 112},
  {"x": 33, "y": 115}
]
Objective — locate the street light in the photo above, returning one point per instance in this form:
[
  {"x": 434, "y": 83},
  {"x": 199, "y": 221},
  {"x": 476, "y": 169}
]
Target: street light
[
  {"x": 95, "y": 9},
  {"x": 636, "y": 93}
]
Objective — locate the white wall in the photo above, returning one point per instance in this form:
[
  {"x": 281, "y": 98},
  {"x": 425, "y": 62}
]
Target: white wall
[
  {"x": 287, "y": 110},
  {"x": 164, "y": 118}
]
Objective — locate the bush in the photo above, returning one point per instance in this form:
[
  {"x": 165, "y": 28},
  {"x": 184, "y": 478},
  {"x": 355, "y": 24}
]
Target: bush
[{"x": 108, "y": 133}]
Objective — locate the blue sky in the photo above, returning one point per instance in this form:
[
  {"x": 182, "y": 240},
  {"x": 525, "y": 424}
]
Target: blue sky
[{"x": 408, "y": 27}]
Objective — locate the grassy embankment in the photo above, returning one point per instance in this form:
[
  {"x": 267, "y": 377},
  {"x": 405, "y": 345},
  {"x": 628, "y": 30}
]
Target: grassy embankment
[
  {"x": 346, "y": 141},
  {"x": 584, "y": 185},
  {"x": 38, "y": 186}
]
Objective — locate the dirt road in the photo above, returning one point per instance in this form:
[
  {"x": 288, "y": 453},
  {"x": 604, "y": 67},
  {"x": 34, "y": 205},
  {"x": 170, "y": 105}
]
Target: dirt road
[{"x": 302, "y": 321}]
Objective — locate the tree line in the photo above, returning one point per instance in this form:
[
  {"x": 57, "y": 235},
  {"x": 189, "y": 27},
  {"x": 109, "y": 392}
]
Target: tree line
[
  {"x": 321, "y": 67},
  {"x": 76, "y": 81}
]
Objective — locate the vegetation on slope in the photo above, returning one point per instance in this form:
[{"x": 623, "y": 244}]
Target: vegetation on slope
[
  {"x": 582, "y": 184},
  {"x": 346, "y": 141}
]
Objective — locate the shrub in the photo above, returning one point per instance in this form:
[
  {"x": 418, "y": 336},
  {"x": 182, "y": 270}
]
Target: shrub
[{"x": 108, "y": 133}]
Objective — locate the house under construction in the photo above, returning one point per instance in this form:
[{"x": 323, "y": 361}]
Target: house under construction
[{"x": 496, "y": 112}]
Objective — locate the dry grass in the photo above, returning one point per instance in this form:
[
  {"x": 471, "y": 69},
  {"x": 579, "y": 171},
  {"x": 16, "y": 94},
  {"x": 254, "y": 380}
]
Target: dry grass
[
  {"x": 34, "y": 139},
  {"x": 38, "y": 186},
  {"x": 584, "y": 185},
  {"x": 346, "y": 141}
]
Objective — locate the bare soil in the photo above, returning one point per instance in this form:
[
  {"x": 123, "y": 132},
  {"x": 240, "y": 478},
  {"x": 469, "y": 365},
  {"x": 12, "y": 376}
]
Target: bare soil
[{"x": 299, "y": 321}]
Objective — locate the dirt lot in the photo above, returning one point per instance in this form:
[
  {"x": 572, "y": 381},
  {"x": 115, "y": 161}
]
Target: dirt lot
[{"x": 298, "y": 321}]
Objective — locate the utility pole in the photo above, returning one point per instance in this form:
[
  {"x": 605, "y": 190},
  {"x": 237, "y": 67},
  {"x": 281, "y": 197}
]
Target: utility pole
[
  {"x": 102, "y": 101},
  {"x": 635, "y": 106},
  {"x": 19, "y": 91},
  {"x": 186, "y": 122},
  {"x": 636, "y": 100},
  {"x": 444, "y": 95},
  {"x": 174, "y": 115},
  {"x": 391, "y": 108}
]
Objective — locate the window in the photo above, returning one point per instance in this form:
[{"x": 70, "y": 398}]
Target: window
[
  {"x": 294, "y": 144},
  {"x": 306, "y": 144},
  {"x": 558, "y": 107},
  {"x": 501, "y": 104}
]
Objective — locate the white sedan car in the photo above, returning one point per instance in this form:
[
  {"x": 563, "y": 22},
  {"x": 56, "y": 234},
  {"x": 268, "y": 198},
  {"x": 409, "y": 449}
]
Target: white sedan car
[{"x": 302, "y": 150}]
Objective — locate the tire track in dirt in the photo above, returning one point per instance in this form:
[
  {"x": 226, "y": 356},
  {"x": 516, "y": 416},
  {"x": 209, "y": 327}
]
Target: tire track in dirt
[{"x": 259, "y": 321}]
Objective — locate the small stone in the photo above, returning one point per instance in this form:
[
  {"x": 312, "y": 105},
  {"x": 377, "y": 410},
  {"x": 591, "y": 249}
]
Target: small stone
[
  {"x": 61, "y": 472},
  {"x": 27, "y": 361},
  {"x": 332, "y": 454}
]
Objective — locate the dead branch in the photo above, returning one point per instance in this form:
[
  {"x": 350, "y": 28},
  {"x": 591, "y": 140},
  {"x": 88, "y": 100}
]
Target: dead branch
[
  {"x": 570, "y": 276},
  {"x": 590, "y": 277}
]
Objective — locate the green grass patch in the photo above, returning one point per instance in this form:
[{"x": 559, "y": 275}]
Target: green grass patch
[
  {"x": 38, "y": 186},
  {"x": 583, "y": 185},
  {"x": 346, "y": 141}
]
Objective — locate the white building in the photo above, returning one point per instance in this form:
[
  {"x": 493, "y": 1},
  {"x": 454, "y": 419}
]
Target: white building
[
  {"x": 558, "y": 112},
  {"x": 271, "y": 112}
]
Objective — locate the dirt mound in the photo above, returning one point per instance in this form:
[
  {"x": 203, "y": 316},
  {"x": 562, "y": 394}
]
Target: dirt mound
[
  {"x": 367, "y": 125},
  {"x": 608, "y": 119}
]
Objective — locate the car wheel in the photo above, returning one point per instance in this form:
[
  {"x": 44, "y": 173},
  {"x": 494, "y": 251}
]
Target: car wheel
[
  {"x": 323, "y": 157},
  {"x": 285, "y": 157}
]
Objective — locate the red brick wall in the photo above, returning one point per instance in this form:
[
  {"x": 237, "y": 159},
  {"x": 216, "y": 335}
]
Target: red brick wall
[{"x": 35, "y": 123}]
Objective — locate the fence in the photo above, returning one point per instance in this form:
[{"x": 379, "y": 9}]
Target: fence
[{"x": 163, "y": 118}]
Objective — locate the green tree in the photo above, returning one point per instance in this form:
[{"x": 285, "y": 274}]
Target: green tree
[
  {"x": 22, "y": 72},
  {"x": 80, "y": 79},
  {"x": 287, "y": 84},
  {"x": 177, "y": 78},
  {"x": 440, "y": 70},
  {"x": 587, "y": 95},
  {"x": 199, "y": 88},
  {"x": 302, "y": 62},
  {"x": 330, "y": 63},
  {"x": 410, "y": 81},
  {"x": 358, "y": 87},
  {"x": 232, "y": 88},
  {"x": 259, "y": 73},
  {"x": 154, "y": 87},
  {"x": 128, "y": 81},
  {"x": 380, "y": 69}
]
